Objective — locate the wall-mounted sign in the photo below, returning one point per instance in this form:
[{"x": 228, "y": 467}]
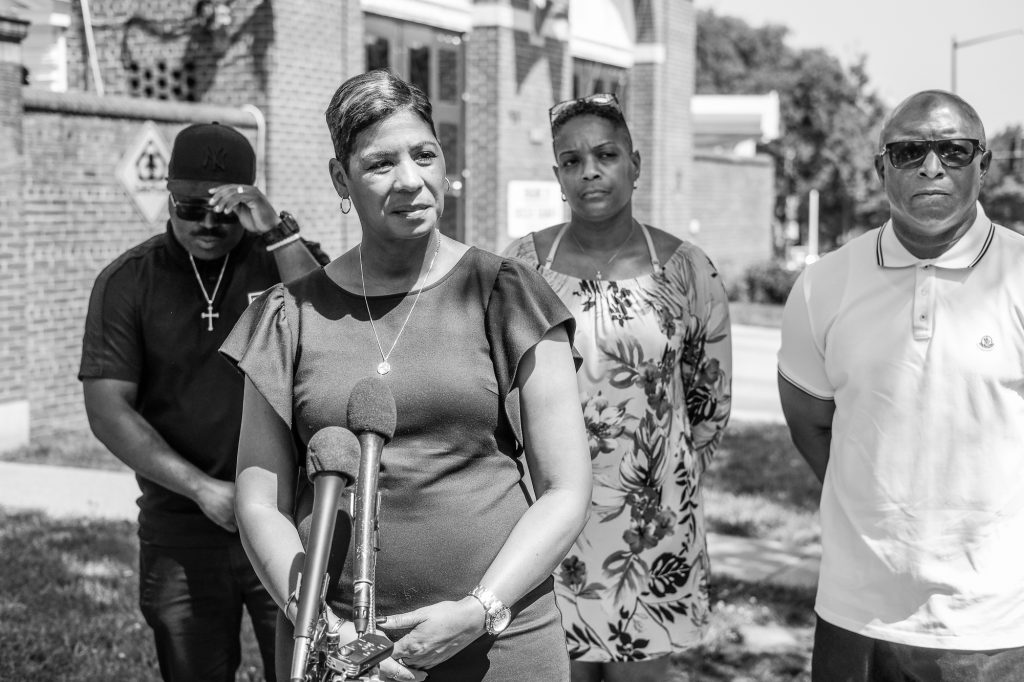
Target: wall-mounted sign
[
  {"x": 143, "y": 171},
  {"x": 533, "y": 205}
]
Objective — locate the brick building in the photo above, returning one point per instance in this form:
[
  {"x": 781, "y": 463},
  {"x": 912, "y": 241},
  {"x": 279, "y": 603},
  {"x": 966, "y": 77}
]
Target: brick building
[
  {"x": 734, "y": 192},
  {"x": 137, "y": 71}
]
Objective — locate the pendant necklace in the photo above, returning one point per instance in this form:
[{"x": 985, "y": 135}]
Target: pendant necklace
[
  {"x": 384, "y": 367},
  {"x": 598, "y": 266},
  {"x": 209, "y": 315}
]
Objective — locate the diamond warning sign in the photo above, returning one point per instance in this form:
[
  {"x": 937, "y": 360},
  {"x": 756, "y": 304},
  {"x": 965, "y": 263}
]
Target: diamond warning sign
[{"x": 143, "y": 171}]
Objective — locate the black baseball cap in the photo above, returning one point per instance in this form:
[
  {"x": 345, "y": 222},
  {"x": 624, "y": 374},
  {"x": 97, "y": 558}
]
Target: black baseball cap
[{"x": 205, "y": 155}]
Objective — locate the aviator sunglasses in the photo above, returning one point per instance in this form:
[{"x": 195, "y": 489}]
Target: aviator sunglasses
[
  {"x": 603, "y": 99},
  {"x": 195, "y": 211},
  {"x": 954, "y": 153}
]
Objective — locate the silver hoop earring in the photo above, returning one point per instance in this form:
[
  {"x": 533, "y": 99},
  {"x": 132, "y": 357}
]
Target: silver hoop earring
[
  {"x": 343, "y": 208},
  {"x": 448, "y": 185}
]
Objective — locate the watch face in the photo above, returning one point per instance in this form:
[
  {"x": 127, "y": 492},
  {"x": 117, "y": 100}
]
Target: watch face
[{"x": 499, "y": 620}]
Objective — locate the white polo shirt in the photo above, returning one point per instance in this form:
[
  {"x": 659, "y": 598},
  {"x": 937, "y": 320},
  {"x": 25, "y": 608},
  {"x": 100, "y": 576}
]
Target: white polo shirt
[{"x": 922, "y": 508}]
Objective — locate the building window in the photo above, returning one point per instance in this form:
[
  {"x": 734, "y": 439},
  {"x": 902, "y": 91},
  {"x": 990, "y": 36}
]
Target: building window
[
  {"x": 419, "y": 68},
  {"x": 590, "y": 77},
  {"x": 378, "y": 53},
  {"x": 448, "y": 68},
  {"x": 448, "y": 134}
]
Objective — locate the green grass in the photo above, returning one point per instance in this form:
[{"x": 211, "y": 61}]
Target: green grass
[
  {"x": 736, "y": 649},
  {"x": 69, "y": 593},
  {"x": 758, "y": 486},
  {"x": 69, "y": 603},
  {"x": 69, "y": 589},
  {"x": 755, "y": 314},
  {"x": 66, "y": 449}
]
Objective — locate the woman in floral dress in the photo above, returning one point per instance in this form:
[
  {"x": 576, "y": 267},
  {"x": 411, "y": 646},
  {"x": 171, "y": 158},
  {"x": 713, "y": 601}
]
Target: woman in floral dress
[{"x": 653, "y": 329}]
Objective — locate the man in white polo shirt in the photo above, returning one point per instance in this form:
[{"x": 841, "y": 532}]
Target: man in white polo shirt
[{"x": 901, "y": 375}]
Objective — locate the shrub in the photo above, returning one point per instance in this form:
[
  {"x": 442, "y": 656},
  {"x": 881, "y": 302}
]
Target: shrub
[{"x": 769, "y": 282}]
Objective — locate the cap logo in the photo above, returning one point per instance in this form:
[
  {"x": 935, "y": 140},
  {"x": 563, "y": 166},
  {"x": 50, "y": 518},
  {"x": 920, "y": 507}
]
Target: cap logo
[{"x": 215, "y": 158}]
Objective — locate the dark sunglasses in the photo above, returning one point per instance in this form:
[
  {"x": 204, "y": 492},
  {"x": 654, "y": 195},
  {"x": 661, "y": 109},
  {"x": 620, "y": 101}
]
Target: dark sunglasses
[
  {"x": 603, "y": 99},
  {"x": 195, "y": 211},
  {"x": 955, "y": 153}
]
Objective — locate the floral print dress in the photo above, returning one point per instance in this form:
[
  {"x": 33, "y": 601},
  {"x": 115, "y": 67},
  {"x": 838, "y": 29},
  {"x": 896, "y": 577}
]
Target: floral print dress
[{"x": 655, "y": 390}]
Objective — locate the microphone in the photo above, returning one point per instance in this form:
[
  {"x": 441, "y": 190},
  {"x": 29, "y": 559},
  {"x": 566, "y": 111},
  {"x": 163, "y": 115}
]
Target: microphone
[
  {"x": 332, "y": 457},
  {"x": 371, "y": 416}
]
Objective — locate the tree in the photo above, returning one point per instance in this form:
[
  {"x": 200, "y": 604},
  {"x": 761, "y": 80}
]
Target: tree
[
  {"x": 1002, "y": 195},
  {"x": 830, "y": 118}
]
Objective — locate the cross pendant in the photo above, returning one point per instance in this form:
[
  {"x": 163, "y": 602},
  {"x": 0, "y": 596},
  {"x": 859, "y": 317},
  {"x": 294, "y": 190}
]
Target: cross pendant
[{"x": 209, "y": 315}]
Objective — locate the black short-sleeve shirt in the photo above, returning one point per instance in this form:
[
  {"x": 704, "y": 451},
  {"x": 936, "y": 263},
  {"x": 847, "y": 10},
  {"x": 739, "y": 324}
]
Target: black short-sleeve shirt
[
  {"x": 451, "y": 481},
  {"x": 144, "y": 325}
]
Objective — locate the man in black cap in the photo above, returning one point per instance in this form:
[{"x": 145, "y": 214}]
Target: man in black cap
[{"x": 160, "y": 397}]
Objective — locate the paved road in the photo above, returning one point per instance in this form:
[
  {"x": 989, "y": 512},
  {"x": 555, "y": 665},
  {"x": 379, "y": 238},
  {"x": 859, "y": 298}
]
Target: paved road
[{"x": 755, "y": 395}]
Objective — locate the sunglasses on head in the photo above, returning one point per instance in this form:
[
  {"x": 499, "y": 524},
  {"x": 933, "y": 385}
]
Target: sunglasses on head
[
  {"x": 601, "y": 99},
  {"x": 955, "y": 153},
  {"x": 195, "y": 211}
]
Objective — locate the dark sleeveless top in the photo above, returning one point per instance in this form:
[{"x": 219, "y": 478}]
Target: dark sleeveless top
[{"x": 451, "y": 479}]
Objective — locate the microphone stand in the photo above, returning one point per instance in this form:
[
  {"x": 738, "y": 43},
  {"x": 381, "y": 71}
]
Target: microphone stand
[
  {"x": 364, "y": 603},
  {"x": 371, "y": 415}
]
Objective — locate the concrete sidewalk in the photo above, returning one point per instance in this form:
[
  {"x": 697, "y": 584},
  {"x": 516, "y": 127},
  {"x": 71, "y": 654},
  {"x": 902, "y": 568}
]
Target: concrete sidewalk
[{"x": 68, "y": 492}]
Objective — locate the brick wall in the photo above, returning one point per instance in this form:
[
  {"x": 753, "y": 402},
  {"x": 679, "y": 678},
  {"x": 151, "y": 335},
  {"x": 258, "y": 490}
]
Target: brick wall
[
  {"x": 284, "y": 57},
  {"x": 75, "y": 219},
  {"x": 147, "y": 47},
  {"x": 661, "y": 84},
  {"x": 733, "y": 199},
  {"x": 13, "y": 348},
  {"x": 310, "y": 62},
  {"x": 485, "y": 198},
  {"x": 513, "y": 76}
]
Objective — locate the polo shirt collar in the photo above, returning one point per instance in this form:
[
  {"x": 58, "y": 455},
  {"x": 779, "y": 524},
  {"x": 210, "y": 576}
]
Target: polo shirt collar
[{"x": 966, "y": 253}]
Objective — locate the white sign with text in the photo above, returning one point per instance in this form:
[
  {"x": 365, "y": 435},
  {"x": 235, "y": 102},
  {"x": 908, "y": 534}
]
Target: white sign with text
[{"x": 533, "y": 205}]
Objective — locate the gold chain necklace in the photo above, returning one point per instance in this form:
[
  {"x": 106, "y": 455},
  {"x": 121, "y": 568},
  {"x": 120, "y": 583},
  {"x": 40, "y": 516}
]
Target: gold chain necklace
[
  {"x": 598, "y": 266},
  {"x": 384, "y": 367},
  {"x": 209, "y": 315}
]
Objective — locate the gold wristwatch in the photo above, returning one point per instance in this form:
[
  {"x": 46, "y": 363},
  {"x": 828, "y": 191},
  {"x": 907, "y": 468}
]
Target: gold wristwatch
[{"x": 496, "y": 615}]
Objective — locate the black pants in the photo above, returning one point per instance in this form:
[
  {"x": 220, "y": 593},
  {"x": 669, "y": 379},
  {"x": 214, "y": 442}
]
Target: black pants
[
  {"x": 192, "y": 598},
  {"x": 843, "y": 656}
]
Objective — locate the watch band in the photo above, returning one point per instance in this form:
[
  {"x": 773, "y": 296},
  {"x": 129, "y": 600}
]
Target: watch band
[
  {"x": 496, "y": 614},
  {"x": 287, "y": 228},
  {"x": 487, "y": 598}
]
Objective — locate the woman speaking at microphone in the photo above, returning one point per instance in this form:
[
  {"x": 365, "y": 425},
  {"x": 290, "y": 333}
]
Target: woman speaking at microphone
[{"x": 477, "y": 351}]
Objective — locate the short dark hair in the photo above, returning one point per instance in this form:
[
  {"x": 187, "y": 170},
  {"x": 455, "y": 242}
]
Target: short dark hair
[
  {"x": 369, "y": 98},
  {"x": 583, "y": 108}
]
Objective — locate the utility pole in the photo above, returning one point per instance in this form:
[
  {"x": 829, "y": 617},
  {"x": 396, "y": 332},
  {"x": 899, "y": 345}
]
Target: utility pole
[{"x": 959, "y": 44}]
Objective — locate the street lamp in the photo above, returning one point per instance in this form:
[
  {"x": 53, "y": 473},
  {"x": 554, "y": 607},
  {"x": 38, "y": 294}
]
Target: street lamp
[{"x": 955, "y": 45}]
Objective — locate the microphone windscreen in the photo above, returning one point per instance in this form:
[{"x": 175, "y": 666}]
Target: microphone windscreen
[
  {"x": 371, "y": 407},
  {"x": 333, "y": 449}
]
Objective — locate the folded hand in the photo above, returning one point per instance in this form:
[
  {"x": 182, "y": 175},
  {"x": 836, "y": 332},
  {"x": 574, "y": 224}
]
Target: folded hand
[{"x": 439, "y": 631}]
